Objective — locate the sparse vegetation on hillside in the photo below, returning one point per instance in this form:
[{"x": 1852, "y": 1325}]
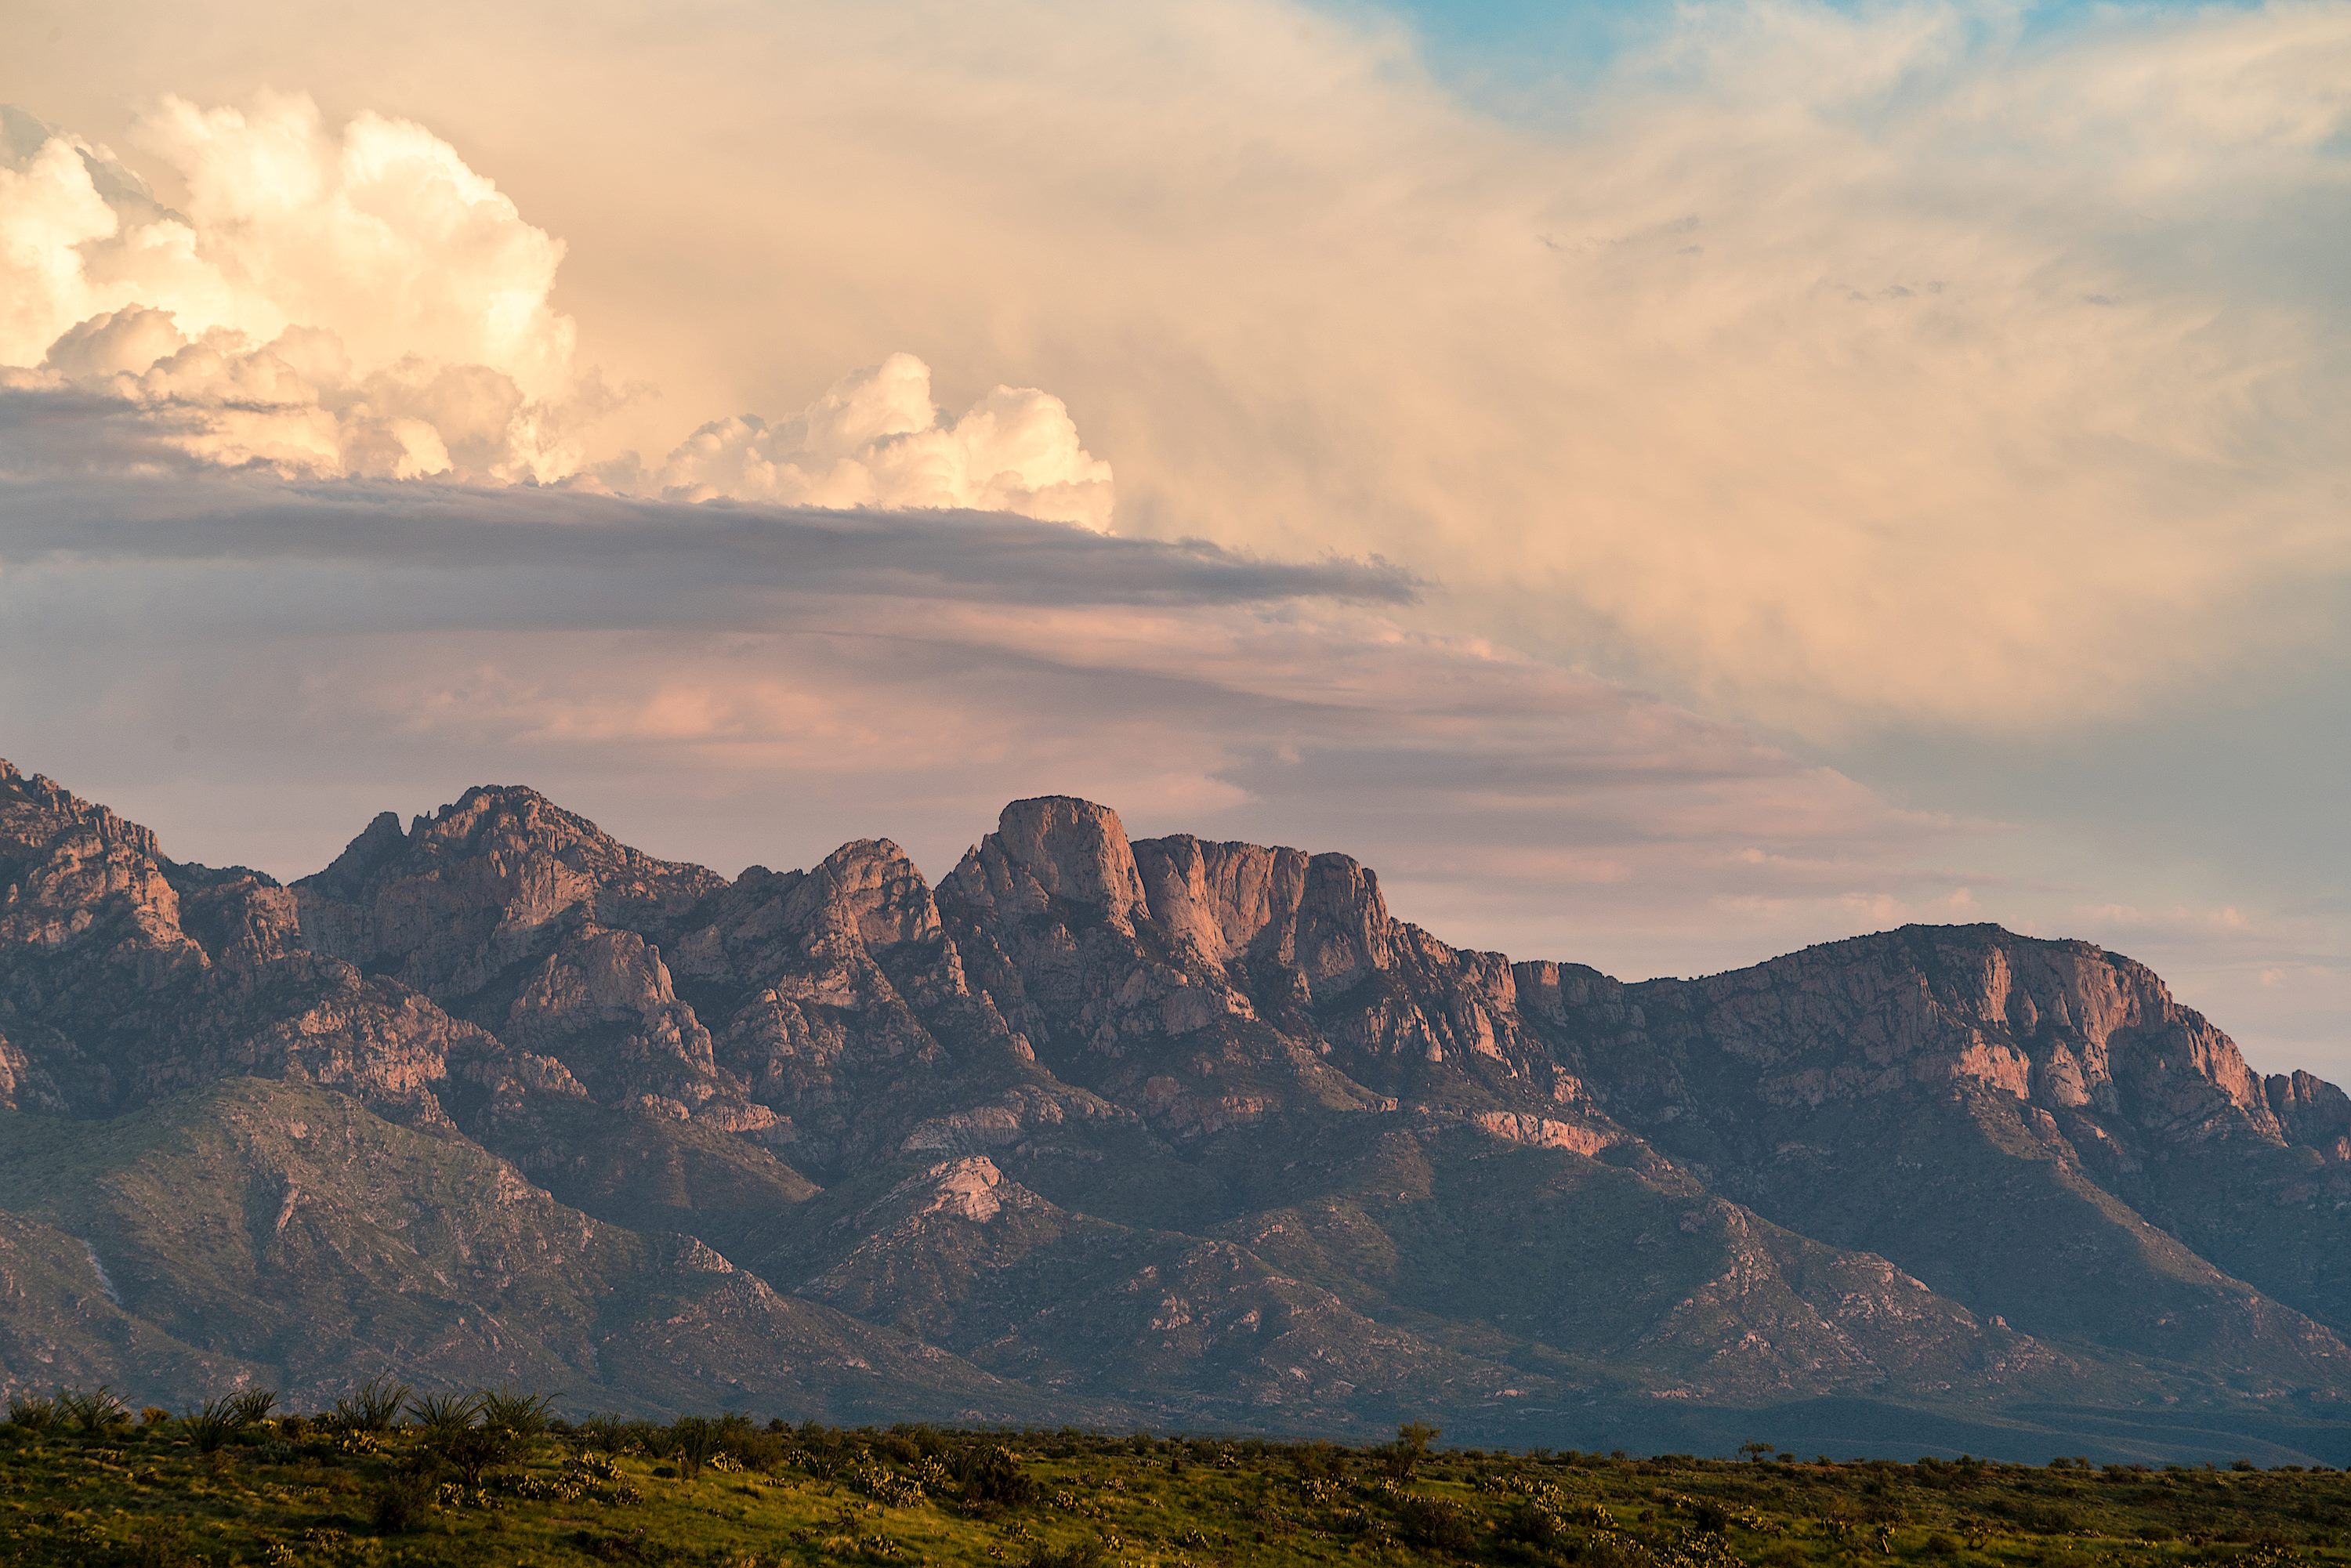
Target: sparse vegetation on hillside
[{"x": 491, "y": 1479}]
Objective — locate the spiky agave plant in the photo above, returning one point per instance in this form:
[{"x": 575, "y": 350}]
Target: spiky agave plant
[
  {"x": 374, "y": 1407},
  {"x": 253, "y": 1405},
  {"x": 96, "y": 1413},
  {"x": 455, "y": 1430},
  {"x": 603, "y": 1431},
  {"x": 33, "y": 1412},
  {"x": 523, "y": 1415},
  {"x": 215, "y": 1422},
  {"x": 436, "y": 1414}
]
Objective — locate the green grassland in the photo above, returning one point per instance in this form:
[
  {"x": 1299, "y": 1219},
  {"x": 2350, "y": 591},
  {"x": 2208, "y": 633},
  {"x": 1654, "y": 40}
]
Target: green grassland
[{"x": 493, "y": 1480}]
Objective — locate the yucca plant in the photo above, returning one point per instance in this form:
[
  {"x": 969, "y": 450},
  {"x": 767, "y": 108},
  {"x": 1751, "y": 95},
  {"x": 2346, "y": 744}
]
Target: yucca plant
[
  {"x": 33, "y": 1412},
  {"x": 606, "y": 1432},
  {"x": 440, "y": 1413},
  {"x": 215, "y": 1422},
  {"x": 471, "y": 1433},
  {"x": 374, "y": 1407},
  {"x": 520, "y": 1415},
  {"x": 96, "y": 1413}
]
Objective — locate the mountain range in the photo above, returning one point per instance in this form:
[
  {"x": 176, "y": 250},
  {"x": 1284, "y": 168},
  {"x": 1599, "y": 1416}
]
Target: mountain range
[{"x": 1164, "y": 1133}]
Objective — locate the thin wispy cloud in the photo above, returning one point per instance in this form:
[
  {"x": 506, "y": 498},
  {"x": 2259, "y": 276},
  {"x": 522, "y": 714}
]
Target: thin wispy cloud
[{"x": 761, "y": 683}]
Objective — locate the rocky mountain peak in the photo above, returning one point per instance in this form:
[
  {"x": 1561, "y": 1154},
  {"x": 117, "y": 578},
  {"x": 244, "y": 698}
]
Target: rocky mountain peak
[
  {"x": 1054, "y": 847},
  {"x": 364, "y": 859},
  {"x": 481, "y": 884},
  {"x": 1321, "y": 915},
  {"x": 872, "y": 887},
  {"x": 2061, "y": 1025},
  {"x": 35, "y": 810},
  {"x": 1226, "y": 900}
]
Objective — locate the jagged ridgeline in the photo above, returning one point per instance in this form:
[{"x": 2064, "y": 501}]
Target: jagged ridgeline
[{"x": 1165, "y": 1133}]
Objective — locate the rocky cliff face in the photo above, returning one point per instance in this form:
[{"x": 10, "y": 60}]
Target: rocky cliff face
[{"x": 1172, "y": 1130}]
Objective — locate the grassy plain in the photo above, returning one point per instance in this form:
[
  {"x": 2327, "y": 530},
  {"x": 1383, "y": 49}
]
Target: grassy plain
[{"x": 449, "y": 1484}]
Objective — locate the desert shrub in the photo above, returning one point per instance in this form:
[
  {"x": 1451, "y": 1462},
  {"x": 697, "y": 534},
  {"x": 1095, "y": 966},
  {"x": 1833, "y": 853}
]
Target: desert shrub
[
  {"x": 692, "y": 1439},
  {"x": 895, "y": 1488},
  {"x": 750, "y": 1447},
  {"x": 1317, "y": 1460},
  {"x": 1532, "y": 1524},
  {"x": 1083, "y": 1554},
  {"x": 1404, "y": 1456},
  {"x": 2039, "y": 1518},
  {"x": 1437, "y": 1523},
  {"x": 988, "y": 1479},
  {"x": 374, "y": 1407},
  {"x": 819, "y": 1451},
  {"x": 471, "y": 1449},
  {"x": 153, "y": 1415},
  {"x": 593, "y": 1466},
  {"x": 402, "y": 1503},
  {"x": 1611, "y": 1550}
]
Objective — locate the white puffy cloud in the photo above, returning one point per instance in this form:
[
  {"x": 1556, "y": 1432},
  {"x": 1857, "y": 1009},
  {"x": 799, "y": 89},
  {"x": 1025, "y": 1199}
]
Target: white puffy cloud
[
  {"x": 328, "y": 303},
  {"x": 877, "y": 439},
  {"x": 363, "y": 303}
]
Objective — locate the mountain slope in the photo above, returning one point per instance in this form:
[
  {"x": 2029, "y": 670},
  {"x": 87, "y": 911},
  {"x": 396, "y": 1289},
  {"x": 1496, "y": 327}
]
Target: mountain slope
[
  {"x": 1171, "y": 1131},
  {"x": 287, "y": 1230}
]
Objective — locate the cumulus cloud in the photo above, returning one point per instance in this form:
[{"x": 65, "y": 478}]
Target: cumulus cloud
[
  {"x": 363, "y": 303},
  {"x": 876, "y": 439},
  {"x": 326, "y": 302}
]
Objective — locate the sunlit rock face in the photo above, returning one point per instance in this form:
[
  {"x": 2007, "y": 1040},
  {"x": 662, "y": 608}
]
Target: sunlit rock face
[{"x": 1169, "y": 1130}]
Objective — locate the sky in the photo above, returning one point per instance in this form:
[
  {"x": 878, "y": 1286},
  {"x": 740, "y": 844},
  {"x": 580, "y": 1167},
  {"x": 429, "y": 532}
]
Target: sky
[{"x": 1663, "y": 484}]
